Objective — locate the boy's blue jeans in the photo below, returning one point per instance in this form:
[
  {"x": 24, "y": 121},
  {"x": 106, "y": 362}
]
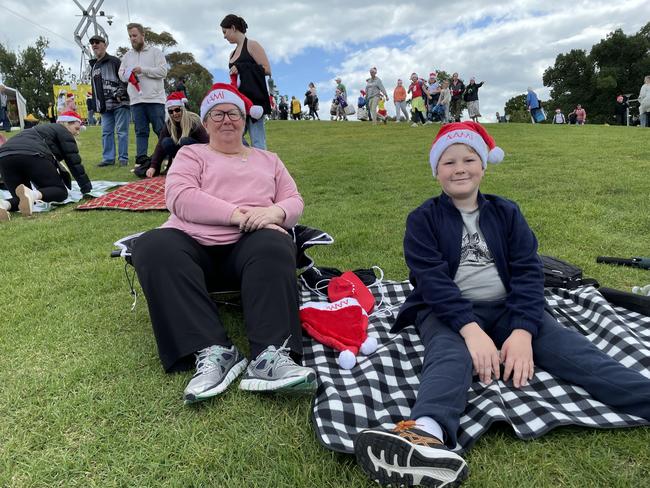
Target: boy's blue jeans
[{"x": 565, "y": 353}]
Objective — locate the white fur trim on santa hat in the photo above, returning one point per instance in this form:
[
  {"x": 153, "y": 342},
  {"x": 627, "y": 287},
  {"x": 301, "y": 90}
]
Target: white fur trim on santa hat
[
  {"x": 69, "y": 117},
  {"x": 219, "y": 96},
  {"x": 470, "y": 138}
]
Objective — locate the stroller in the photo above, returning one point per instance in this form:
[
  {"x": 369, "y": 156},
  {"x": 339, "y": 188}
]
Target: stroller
[
  {"x": 437, "y": 113},
  {"x": 334, "y": 109}
]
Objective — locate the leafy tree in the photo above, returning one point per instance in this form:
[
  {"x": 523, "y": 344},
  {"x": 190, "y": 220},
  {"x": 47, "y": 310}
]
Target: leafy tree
[
  {"x": 197, "y": 79},
  {"x": 28, "y": 72}
]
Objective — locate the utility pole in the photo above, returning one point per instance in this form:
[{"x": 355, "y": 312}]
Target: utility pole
[{"x": 87, "y": 28}]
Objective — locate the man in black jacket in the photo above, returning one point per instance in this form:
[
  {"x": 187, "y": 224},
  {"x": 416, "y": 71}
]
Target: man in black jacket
[{"x": 111, "y": 100}]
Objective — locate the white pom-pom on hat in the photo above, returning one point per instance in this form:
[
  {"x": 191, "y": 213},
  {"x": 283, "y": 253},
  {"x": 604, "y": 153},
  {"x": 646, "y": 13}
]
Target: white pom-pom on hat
[
  {"x": 369, "y": 346},
  {"x": 256, "y": 111},
  {"x": 347, "y": 360},
  {"x": 496, "y": 155}
]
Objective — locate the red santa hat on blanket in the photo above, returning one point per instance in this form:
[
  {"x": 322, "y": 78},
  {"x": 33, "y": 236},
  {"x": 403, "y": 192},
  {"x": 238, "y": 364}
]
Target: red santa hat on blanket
[
  {"x": 176, "y": 99},
  {"x": 470, "y": 133},
  {"x": 69, "y": 116},
  {"x": 224, "y": 93},
  {"x": 343, "y": 323}
]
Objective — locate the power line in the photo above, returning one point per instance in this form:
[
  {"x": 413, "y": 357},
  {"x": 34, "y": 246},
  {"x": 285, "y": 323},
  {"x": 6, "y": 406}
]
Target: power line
[
  {"x": 38, "y": 25},
  {"x": 128, "y": 12}
]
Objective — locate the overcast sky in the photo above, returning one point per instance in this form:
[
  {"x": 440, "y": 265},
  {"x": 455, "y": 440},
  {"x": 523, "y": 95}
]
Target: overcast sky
[{"x": 507, "y": 44}]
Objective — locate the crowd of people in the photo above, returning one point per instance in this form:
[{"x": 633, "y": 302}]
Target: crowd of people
[
  {"x": 232, "y": 205},
  {"x": 424, "y": 101}
]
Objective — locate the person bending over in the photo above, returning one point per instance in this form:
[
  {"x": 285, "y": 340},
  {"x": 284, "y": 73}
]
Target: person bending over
[{"x": 32, "y": 157}]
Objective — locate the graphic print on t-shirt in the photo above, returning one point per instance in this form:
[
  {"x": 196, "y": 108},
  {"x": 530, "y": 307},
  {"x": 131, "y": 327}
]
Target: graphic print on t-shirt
[{"x": 474, "y": 250}]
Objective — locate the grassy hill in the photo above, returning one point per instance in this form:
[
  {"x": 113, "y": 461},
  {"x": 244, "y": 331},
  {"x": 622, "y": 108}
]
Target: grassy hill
[{"x": 84, "y": 401}]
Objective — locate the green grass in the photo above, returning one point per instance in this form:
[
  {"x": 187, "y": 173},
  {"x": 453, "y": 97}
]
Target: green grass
[{"x": 85, "y": 403}]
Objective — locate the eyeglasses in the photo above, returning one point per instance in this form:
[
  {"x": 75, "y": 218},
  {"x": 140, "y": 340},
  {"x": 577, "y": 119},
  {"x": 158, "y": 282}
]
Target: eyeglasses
[
  {"x": 172, "y": 111},
  {"x": 218, "y": 115}
]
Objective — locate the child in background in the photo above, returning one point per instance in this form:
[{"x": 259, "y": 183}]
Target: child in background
[
  {"x": 382, "y": 114},
  {"x": 478, "y": 288},
  {"x": 444, "y": 100},
  {"x": 558, "y": 118},
  {"x": 418, "y": 91},
  {"x": 70, "y": 104}
]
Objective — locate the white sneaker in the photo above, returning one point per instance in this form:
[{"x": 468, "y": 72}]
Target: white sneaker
[
  {"x": 26, "y": 203},
  {"x": 414, "y": 124},
  {"x": 216, "y": 368},
  {"x": 274, "y": 370}
]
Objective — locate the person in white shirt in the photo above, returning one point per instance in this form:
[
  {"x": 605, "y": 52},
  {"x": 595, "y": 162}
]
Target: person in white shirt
[{"x": 144, "y": 69}]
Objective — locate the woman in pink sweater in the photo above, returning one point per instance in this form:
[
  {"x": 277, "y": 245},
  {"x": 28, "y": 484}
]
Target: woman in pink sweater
[{"x": 230, "y": 207}]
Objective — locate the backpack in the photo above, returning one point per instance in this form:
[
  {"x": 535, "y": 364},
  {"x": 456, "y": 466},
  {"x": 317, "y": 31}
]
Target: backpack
[{"x": 560, "y": 274}]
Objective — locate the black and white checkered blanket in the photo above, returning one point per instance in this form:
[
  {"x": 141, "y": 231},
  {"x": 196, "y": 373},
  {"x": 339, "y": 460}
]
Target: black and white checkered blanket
[{"x": 382, "y": 388}]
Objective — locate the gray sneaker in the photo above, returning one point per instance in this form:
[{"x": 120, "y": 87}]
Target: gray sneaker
[
  {"x": 216, "y": 368},
  {"x": 274, "y": 370}
]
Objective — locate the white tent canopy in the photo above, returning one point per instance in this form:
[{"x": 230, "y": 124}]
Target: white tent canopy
[{"x": 13, "y": 94}]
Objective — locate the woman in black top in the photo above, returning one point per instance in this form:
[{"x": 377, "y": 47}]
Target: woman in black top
[
  {"x": 32, "y": 157},
  {"x": 249, "y": 67}
]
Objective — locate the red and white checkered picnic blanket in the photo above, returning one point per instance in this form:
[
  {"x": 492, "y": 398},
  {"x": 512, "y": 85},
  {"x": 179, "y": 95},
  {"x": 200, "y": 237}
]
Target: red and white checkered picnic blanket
[{"x": 147, "y": 194}]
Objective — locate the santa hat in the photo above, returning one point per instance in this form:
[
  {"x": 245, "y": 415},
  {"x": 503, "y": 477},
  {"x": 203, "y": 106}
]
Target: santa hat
[
  {"x": 176, "y": 99},
  {"x": 350, "y": 285},
  {"x": 70, "y": 95},
  {"x": 471, "y": 134},
  {"x": 224, "y": 93},
  {"x": 69, "y": 116},
  {"x": 133, "y": 79},
  {"x": 341, "y": 325}
]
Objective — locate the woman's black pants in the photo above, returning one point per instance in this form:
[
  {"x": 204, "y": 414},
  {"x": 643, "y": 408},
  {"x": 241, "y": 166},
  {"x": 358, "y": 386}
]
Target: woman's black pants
[
  {"x": 176, "y": 273},
  {"x": 23, "y": 169}
]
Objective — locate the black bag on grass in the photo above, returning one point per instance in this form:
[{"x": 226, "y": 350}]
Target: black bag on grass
[{"x": 560, "y": 274}]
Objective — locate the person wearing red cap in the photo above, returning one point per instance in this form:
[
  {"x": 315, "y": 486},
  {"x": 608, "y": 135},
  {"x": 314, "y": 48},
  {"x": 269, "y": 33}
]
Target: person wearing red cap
[
  {"x": 230, "y": 206},
  {"x": 31, "y": 158},
  {"x": 478, "y": 287},
  {"x": 182, "y": 128},
  {"x": 70, "y": 103}
]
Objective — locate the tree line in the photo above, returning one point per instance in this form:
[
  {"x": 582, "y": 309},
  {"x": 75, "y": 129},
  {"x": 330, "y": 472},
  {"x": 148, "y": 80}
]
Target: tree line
[{"x": 614, "y": 66}]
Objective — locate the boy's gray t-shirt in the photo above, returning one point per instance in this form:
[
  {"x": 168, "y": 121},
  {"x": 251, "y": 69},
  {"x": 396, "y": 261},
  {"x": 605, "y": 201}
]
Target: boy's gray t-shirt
[{"x": 477, "y": 276}]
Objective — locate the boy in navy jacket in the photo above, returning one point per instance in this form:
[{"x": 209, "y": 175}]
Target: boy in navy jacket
[{"x": 478, "y": 287}]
